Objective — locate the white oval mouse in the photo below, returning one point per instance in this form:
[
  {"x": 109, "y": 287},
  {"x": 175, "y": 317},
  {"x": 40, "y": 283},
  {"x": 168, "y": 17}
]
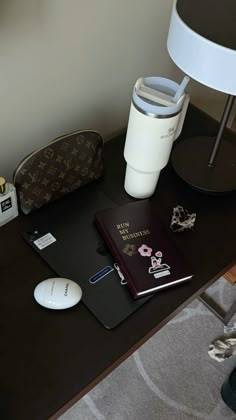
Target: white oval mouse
[{"x": 57, "y": 293}]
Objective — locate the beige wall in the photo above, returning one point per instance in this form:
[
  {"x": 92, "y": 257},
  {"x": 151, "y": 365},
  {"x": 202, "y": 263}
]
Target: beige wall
[{"x": 71, "y": 64}]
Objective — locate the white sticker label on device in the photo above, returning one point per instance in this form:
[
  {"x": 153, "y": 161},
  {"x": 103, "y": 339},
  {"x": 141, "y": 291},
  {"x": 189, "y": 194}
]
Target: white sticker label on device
[{"x": 44, "y": 241}]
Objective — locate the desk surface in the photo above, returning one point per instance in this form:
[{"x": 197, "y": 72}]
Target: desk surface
[{"x": 51, "y": 359}]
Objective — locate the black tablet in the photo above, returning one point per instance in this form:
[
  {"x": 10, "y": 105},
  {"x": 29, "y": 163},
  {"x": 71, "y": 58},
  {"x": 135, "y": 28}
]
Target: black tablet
[{"x": 65, "y": 236}]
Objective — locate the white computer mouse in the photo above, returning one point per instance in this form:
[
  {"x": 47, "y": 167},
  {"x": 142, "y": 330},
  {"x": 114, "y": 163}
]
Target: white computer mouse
[{"x": 57, "y": 293}]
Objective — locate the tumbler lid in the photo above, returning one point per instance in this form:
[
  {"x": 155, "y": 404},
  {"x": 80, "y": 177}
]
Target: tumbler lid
[{"x": 155, "y": 96}]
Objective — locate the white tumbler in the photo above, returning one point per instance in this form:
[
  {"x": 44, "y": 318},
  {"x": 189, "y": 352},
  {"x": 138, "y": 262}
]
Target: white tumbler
[{"x": 155, "y": 121}]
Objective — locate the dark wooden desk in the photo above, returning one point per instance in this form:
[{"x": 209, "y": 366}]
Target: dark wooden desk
[{"x": 51, "y": 359}]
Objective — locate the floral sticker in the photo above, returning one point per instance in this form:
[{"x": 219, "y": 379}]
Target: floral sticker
[
  {"x": 129, "y": 249},
  {"x": 145, "y": 251}
]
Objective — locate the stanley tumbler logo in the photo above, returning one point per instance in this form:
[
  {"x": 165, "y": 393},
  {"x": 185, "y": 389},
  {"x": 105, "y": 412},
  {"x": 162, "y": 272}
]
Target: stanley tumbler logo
[{"x": 170, "y": 133}]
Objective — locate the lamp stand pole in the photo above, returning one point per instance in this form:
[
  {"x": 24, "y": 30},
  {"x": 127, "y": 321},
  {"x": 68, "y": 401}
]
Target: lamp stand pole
[
  {"x": 224, "y": 120},
  {"x": 208, "y": 164}
]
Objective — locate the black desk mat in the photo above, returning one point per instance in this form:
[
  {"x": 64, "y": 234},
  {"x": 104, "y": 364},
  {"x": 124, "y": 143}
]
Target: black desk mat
[{"x": 79, "y": 253}]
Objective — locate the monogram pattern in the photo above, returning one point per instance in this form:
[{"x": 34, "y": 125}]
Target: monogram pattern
[{"x": 66, "y": 164}]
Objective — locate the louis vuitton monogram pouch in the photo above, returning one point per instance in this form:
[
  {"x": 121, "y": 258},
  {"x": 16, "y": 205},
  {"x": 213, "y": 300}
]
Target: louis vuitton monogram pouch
[{"x": 65, "y": 164}]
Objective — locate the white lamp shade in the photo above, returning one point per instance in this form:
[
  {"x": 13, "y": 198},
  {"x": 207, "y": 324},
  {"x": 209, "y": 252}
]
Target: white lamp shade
[{"x": 210, "y": 63}]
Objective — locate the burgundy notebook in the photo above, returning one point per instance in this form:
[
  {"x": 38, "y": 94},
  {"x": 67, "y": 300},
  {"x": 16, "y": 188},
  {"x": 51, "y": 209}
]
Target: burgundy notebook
[{"x": 144, "y": 252}]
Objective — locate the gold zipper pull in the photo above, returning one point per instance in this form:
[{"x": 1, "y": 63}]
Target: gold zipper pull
[{"x": 2, "y": 185}]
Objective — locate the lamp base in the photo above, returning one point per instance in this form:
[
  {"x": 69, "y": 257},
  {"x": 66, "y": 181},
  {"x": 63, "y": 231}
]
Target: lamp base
[{"x": 190, "y": 161}]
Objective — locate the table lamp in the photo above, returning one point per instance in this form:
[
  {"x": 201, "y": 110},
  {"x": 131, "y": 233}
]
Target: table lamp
[{"x": 202, "y": 43}]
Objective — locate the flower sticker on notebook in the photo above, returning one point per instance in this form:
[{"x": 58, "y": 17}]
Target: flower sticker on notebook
[
  {"x": 145, "y": 251},
  {"x": 129, "y": 249}
]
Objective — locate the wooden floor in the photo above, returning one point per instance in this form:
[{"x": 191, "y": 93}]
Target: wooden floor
[{"x": 230, "y": 275}]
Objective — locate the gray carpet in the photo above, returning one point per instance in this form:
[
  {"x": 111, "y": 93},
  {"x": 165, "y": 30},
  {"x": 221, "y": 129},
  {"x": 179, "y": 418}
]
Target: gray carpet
[{"x": 171, "y": 377}]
